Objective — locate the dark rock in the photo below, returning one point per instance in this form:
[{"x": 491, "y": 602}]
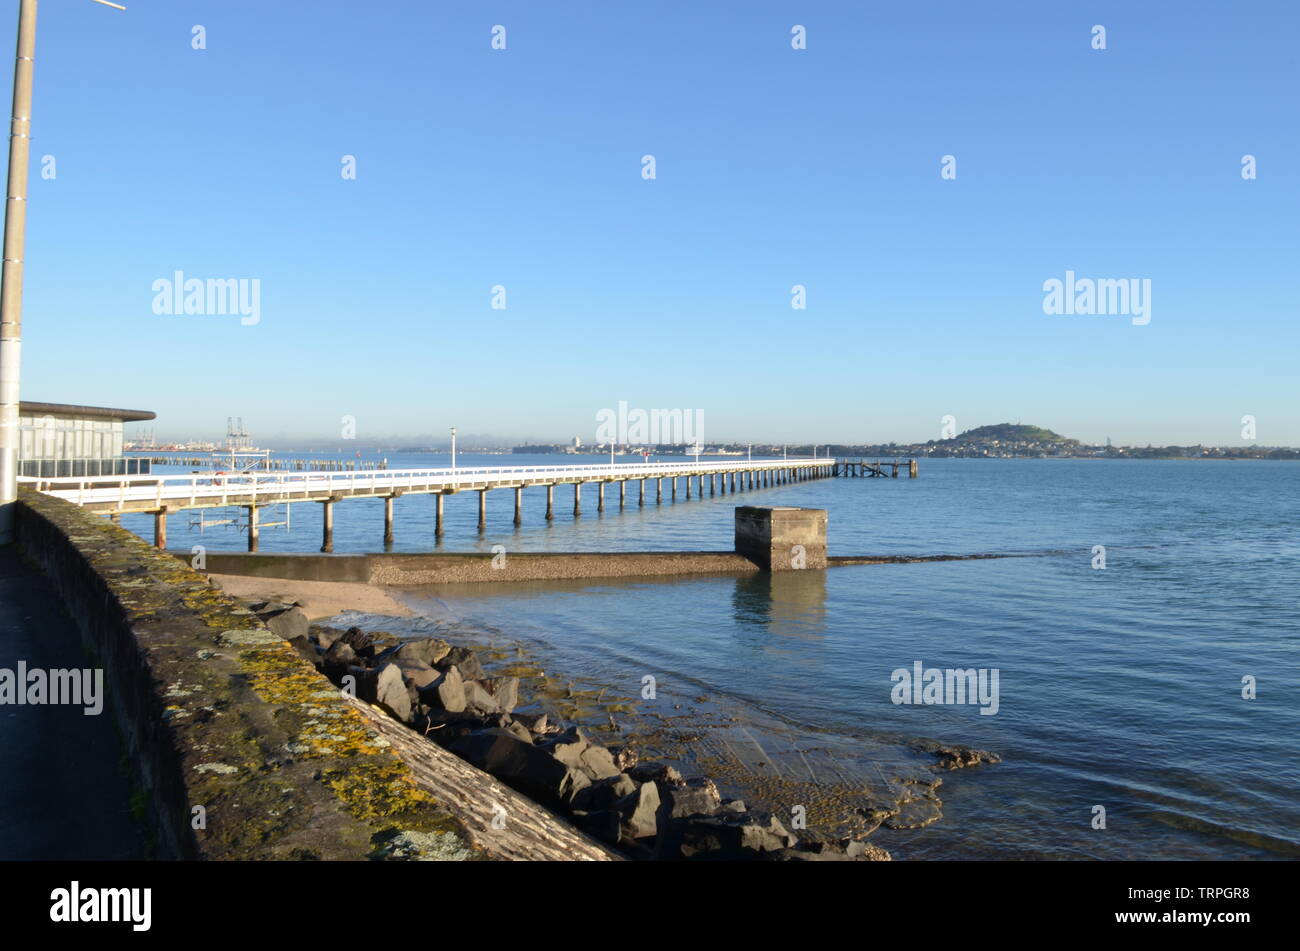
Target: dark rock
[
  {"x": 657, "y": 773},
  {"x": 602, "y": 824},
  {"x": 360, "y": 641},
  {"x": 528, "y": 769},
  {"x": 425, "y": 650},
  {"x": 478, "y": 700},
  {"x": 733, "y": 836},
  {"x": 465, "y": 659},
  {"x": 536, "y": 722},
  {"x": 415, "y": 673},
  {"x": 307, "y": 651},
  {"x": 699, "y": 797},
  {"x": 638, "y": 811},
  {"x": 338, "y": 659},
  {"x": 505, "y": 691},
  {"x": 390, "y": 692},
  {"x": 447, "y": 692},
  {"x": 325, "y": 636},
  {"x": 604, "y": 793}
]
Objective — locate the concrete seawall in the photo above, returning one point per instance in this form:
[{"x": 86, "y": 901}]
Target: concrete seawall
[
  {"x": 405, "y": 570},
  {"x": 240, "y": 748}
]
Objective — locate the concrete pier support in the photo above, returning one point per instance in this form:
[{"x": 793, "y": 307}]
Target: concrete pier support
[
  {"x": 673, "y": 480},
  {"x": 482, "y": 509},
  {"x": 622, "y": 493},
  {"x": 688, "y": 488},
  {"x": 159, "y": 529},
  {"x": 254, "y": 533},
  {"x": 659, "y": 490},
  {"x": 437, "y": 515},
  {"x": 519, "y": 505},
  {"x": 327, "y": 527},
  {"x": 550, "y": 502},
  {"x": 641, "y": 498},
  {"x": 701, "y": 486},
  {"x": 388, "y": 520},
  {"x": 781, "y": 538},
  {"x": 577, "y": 498},
  {"x": 600, "y": 496},
  {"x": 912, "y": 471},
  {"x": 713, "y": 485}
]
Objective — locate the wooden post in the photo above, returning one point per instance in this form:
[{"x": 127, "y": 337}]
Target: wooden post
[
  {"x": 519, "y": 505},
  {"x": 327, "y": 528},
  {"x": 388, "y": 520},
  {"x": 577, "y": 499},
  {"x": 912, "y": 471},
  {"x": 482, "y": 509},
  {"x": 159, "y": 529},
  {"x": 550, "y": 502}
]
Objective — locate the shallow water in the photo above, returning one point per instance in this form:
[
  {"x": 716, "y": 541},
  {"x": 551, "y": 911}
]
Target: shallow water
[{"x": 1119, "y": 688}]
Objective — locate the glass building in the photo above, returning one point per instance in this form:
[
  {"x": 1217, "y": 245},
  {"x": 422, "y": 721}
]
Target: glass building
[{"x": 58, "y": 440}]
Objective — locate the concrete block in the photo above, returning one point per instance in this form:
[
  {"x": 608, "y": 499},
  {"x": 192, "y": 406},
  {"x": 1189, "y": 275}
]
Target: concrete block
[{"x": 782, "y": 537}]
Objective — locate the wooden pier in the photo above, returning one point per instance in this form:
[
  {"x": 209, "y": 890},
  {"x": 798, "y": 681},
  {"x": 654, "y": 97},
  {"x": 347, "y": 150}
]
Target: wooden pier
[{"x": 860, "y": 468}]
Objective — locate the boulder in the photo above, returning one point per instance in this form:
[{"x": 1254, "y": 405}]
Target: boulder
[
  {"x": 657, "y": 773},
  {"x": 732, "y": 836},
  {"x": 446, "y": 693},
  {"x": 416, "y": 673},
  {"x": 325, "y": 636},
  {"x": 478, "y": 700},
  {"x": 424, "y": 650},
  {"x": 538, "y": 723},
  {"x": 638, "y": 811},
  {"x": 307, "y": 651},
  {"x": 465, "y": 659},
  {"x": 289, "y": 623},
  {"x": 602, "y": 824},
  {"x": 528, "y": 769},
  {"x": 699, "y": 797},
  {"x": 389, "y": 691},
  {"x": 504, "y": 690},
  {"x": 605, "y": 793},
  {"x": 338, "y": 659}
]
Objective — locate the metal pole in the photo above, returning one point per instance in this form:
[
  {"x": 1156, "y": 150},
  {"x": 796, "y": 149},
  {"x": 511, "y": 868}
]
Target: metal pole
[
  {"x": 11, "y": 277},
  {"x": 453, "y": 455}
]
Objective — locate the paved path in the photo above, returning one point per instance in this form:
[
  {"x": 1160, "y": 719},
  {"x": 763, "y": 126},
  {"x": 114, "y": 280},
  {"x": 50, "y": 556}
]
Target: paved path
[{"x": 63, "y": 793}]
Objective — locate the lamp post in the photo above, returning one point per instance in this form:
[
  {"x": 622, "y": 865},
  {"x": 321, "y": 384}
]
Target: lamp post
[{"x": 11, "y": 274}]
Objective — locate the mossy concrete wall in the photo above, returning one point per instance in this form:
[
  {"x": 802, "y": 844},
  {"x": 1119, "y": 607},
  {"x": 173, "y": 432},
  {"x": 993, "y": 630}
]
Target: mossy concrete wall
[{"x": 224, "y": 721}]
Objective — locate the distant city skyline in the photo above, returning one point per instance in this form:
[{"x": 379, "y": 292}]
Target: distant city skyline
[{"x": 452, "y": 234}]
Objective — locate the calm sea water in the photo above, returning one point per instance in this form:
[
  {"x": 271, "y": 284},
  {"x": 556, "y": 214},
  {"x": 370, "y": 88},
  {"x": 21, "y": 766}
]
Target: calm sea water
[{"x": 1119, "y": 688}]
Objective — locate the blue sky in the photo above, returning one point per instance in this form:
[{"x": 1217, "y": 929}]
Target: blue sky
[{"x": 522, "y": 167}]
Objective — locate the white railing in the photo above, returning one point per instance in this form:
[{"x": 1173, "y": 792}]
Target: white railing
[{"x": 249, "y": 486}]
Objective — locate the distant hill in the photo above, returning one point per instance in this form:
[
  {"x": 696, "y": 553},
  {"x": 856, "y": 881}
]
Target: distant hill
[{"x": 1012, "y": 432}]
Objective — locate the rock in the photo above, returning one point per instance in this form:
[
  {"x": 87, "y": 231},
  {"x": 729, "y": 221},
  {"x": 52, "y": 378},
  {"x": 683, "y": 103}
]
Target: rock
[
  {"x": 360, "y": 642},
  {"x": 626, "y": 758},
  {"x": 416, "y": 673},
  {"x": 638, "y": 812},
  {"x": 289, "y": 623},
  {"x": 325, "y": 636},
  {"x": 732, "y": 836},
  {"x": 505, "y": 691},
  {"x": 425, "y": 650},
  {"x": 699, "y": 797},
  {"x": 478, "y": 700},
  {"x": 598, "y": 762},
  {"x": 465, "y": 659},
  {"x": 602, "y": 824},
  {"x": 390, "y": 692},
  {"x": 528, "y": 769},
  {"x": 338, "y": 659},
  {"x": 536, "y": 722},
  {"x": 447, "y": 692},
  {"x": 307, "y": 651},
  {"x": 605, "y": 793},
  {"x": 657, "y": 773}
]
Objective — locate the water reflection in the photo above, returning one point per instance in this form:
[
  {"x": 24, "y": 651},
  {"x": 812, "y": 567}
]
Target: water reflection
[{"x": 784, "y": 603}]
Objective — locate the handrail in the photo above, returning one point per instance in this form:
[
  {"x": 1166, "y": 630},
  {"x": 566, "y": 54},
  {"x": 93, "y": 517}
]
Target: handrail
[{"x": 180, "y": 485}]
